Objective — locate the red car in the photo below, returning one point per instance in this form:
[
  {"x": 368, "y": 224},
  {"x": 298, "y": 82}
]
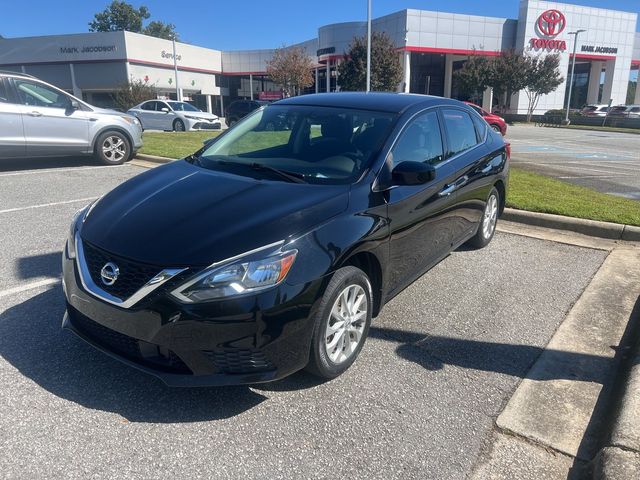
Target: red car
[{"x": 496, "y": 122}]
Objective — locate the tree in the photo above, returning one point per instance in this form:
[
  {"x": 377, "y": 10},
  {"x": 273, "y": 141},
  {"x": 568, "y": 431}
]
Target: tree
[
  {"x": 291, "y": 68},
  {"x": 474, "y": 76},
  {"x": 509, "y": 73},
  {"x": 543, "y": 77},
  {"x": 386, "y": 71},
  {"x": 161, "y": 30},
  {"x": 119, "y": 16},
  {"x": 631, "y": 91},
  {"x": 132, "y": 93}
]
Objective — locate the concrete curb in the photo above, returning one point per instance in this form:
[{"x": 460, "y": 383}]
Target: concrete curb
[
  {"x": 153, "y": 158},
  {"x": 612, "y": 231}
]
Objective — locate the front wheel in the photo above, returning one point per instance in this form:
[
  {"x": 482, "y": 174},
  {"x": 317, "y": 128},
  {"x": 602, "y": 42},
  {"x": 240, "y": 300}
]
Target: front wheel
[
  {"x": 178, "y": 125},
  {"x": 487, "y": 227},
  {"x": 341, "y": 323},
  {"x": 112, "y": 148}
]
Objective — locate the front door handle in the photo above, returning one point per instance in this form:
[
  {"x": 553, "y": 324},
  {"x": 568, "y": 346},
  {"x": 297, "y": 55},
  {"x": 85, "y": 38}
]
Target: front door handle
[
  {"x": 35, "y": 113},
  {"x": 448, "y": 190}
]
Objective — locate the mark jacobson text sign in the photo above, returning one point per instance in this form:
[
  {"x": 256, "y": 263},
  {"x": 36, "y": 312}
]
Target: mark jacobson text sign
[
  {"x": 89, "y": 49},
  {"x": 594, "y": 49}
]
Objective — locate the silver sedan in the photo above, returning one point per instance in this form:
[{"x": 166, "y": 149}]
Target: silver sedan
[{"x": 171, "y": 115}]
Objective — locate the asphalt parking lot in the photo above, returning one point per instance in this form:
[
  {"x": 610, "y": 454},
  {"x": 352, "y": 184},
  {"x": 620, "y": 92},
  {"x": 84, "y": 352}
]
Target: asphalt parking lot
[
  {"x": 605, "y": 161},
  {"x": 441, "y": 362}
]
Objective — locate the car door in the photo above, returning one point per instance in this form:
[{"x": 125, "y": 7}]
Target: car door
[
  {"x": 476, "y": 165},
  {"x": 421, "y": 221},
  {"x": 52, "y": 125},
  {"x": 165, "y": 117},
  {"x": 146, "y": 114},
  {"x": 12, "y": 143}
]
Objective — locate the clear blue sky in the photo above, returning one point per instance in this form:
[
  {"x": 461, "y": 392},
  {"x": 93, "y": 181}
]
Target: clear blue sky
[{"x": 245, "y": 24}]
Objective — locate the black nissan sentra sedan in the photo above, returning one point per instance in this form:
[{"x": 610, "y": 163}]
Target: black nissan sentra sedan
[{"x": 271, "y": 248}]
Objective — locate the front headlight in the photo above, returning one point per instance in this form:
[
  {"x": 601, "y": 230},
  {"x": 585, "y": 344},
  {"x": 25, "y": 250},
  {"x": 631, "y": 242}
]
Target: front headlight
[
  {"x": 237, "y": 278},
  {"x": 130, "y": 119},
  {"x": 73, "y": 228},
  {"x": 191, "y": 117}
]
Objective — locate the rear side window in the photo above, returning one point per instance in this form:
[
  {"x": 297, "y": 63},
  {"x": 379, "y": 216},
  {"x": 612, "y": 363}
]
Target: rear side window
[
  {"x": 148, "y": 106},
  {"x": 635, "y": 109},
  {"x": 4, "y": 94},
  {"x": 420, "y": 141},
  {"x": 461, "y": 132},
  {"x": 481, "y": 126}
]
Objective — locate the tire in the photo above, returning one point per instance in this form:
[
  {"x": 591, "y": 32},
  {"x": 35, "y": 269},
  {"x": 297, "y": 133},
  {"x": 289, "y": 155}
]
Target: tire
[
  {"x": 496, "y": 128},
  {"x": 327, "y": 361},
  {"x": 487, "y": 227},
  {"x": 112, "y": 148},
  {"x": 178, "y": 125}
]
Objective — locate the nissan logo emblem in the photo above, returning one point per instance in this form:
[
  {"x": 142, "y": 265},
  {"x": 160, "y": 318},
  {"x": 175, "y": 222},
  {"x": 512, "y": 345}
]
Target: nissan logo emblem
[{"x": 109, "y": 273}]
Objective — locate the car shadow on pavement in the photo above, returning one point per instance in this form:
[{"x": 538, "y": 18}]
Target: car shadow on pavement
[
  {"x": 33, "y": 342},
  {"x": 39, "y": 266},
  {"x": 18, "y": 164}
]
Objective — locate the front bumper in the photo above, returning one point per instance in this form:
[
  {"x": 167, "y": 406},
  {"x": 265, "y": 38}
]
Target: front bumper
[
  {"x": 203, "y": 124},
  {"x": 247, "y": 340}
]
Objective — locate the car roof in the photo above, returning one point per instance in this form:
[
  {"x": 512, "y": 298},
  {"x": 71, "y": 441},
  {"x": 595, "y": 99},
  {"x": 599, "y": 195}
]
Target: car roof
[
  {"x": 10, "y": 73},
  {"x": 378, "y": 101}
]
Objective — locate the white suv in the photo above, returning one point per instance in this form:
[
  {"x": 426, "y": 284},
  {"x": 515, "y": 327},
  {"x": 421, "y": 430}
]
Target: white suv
[{"x": 40, "y": 120}]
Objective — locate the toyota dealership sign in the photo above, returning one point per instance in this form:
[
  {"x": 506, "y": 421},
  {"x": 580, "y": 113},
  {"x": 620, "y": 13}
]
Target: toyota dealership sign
[{"x": 549, "y": 25}]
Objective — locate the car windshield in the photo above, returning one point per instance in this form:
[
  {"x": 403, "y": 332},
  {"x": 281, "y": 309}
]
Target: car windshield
[
  {"x": 182, "y": 107},
  {"x": 322, "y": 145}
]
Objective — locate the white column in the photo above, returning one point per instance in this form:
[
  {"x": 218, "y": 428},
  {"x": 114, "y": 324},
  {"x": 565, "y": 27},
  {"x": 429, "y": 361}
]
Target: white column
[
  {"x": 317, "y": 80},
  {"x": 607, "y": 89},
  {"x": 76, "y": 90},
  {"x": 328, "y": 75},
  {"x": 251, "y": 85},
  {"x": 487, "y": 99},
  {"x": 180, "y": 94},
  {"x": 594, "y": 82},
  {"x": 448, "y": 74},
  {"x": 407, "y": 72},
  {"x": 209, "y": 109}
]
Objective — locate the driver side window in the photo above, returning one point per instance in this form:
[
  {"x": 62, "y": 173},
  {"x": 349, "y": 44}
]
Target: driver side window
[
  {"x": 35, "y": 94},
  {"x": 420, "y": 141}
]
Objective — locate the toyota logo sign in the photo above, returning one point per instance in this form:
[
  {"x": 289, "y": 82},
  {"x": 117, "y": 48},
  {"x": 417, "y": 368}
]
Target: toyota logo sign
[{"x": 551, "y": 23}]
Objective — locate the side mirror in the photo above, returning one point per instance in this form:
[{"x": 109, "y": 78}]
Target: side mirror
[
  {"x": 74, "y": 105},
  {"x": 164, "y": 109},
  {"x": 412, "y": 173}
]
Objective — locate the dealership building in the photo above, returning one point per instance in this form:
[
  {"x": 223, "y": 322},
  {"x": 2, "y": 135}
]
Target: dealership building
[{"x": 431, "y": 46}]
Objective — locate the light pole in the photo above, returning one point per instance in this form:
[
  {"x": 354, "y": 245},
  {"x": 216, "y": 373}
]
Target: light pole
[
  {"x": 175, "y": 69},
  {"x": 573, "y": 67},
  {"x": 368, "y": 45}
]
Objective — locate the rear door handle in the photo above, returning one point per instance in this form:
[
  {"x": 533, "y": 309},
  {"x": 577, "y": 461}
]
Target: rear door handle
[
  {"x": 448, "y": 190},
  {"x": 35, "y": 113},
  {"x": 487, "y": 169}
]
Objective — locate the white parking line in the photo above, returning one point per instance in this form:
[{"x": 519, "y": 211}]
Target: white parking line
[
  {"x": 29, "y": 286},
  {"x": 56, "y": 170},
  {"x": 43, "y": 205}
]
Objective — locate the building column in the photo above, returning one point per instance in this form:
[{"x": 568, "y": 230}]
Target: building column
[
  {"x": 487, "y": 99},
  {"x": 208, "y": 98},
  {"x": 251, "y": 85},
  {"x": 328, "y": 75},
  {"x": 448, "y": 74},
  {"x": 317, "y": 80},
  {"x": 407, "y": 71},
  {"x": 76, "y": 90},
  {"x": 593, "y": 89},
  {"x": 607, "y": 89}
]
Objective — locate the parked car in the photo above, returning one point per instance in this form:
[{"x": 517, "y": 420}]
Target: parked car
[
  {"x": 241, "y": 108},
  {"x": 170, "y": 115},
  {"x": 595, "y": 110},
  {"x": 627, "y": 111},
  {"x": 40, "y": 120},
  {"x": 496, "y": 122},
  {"x": 268, "y": 251}
]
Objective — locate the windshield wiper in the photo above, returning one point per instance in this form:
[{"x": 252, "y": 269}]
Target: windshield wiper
[{"x": 290, "y": 176}]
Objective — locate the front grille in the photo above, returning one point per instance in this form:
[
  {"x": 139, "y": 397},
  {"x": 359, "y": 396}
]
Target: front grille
[
  {"x": 132, "y": 277},
  {"x": 239, "y": 361},
  {"x": 125, "y": 345}
]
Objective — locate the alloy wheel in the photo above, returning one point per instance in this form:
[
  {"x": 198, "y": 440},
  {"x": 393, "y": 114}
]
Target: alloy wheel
[
  {"x": 114, "y": 148},
  {"x": 490, "y": 216},
  {"x": 346, "y": 324}
]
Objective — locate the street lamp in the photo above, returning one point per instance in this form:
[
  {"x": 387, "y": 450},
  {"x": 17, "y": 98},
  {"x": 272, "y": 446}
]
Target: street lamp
[
  {"x": 368, "y": 45},
  {"x": 175, "y": 68},
  {"x": 573, "y": 67}
]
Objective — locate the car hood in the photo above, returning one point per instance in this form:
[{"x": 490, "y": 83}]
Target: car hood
[
  {"x": 181, "y": 215},
  {"x": 206, "y": 115}
]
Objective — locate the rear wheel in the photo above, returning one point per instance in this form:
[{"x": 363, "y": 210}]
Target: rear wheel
[
  {"x": 178, "y": 125},
  {"x": 112, "y": 148},
  {"x": 341, "y": 323},
  {"x": 487, "y": 227}
]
